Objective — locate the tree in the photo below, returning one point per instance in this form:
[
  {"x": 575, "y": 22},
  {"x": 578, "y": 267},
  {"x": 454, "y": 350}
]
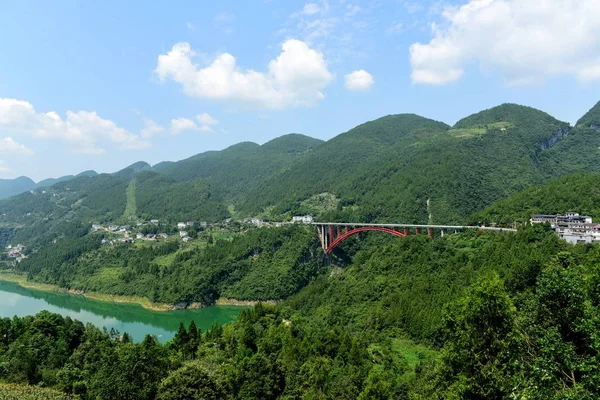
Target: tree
[{"x": 191, "y": 382}]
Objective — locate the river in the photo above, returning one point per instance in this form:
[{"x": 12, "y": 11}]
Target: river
[{"x": 130, "y": 318}]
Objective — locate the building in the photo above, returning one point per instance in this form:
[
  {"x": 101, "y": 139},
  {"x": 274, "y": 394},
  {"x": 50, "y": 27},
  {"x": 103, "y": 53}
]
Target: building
[
  {"x": 181, "y": 225},
  {"x": 578, "y": 232},
  {"x": 256, "y": 221},
  {"x": 183, "y": 234},
  {"x": 554, "y": 220},
  {"x": 571, "y": 227},
  {"x": 304, "y": 219},
  {"x": 139, "y": 236}
]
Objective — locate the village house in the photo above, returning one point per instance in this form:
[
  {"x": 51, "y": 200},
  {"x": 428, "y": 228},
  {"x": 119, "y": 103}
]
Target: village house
[
  {"x": 96, "y": 227},
  {"x": 154, "y": 221},
  {"x": 304, "y": 219},
  {"x": 183, "y": 234},
  {"x": 556, "y": 219},
  {"x": 139, "y": 236},
  {"x": 571, "y": 227},
  {"x": 181, "y": 225}
]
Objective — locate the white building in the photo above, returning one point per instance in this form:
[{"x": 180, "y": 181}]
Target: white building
[
  {"x": 181, "y": 225},
  {"x": 304, "y": 219},
  {"x": 183, "y": 234}
]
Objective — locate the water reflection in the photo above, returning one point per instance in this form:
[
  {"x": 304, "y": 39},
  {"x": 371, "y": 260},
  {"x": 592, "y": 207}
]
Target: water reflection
[{"x": 130, "y": 318}]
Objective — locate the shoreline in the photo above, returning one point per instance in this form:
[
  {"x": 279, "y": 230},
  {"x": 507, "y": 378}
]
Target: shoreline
[{"x": 22, "y": 281}]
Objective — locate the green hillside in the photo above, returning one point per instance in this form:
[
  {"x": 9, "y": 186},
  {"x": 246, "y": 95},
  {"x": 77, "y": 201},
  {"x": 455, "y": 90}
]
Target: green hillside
[
  {"x": 387, "y": 169},
  {"x": 232, "y": 172},
  {"x": 11, "y": 187},
  {"x": 579, "y": 192}
]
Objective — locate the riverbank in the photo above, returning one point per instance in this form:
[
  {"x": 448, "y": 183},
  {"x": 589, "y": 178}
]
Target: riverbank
[
  {"x": 21, "y": 280},
  {"x": 243, "y": 303}
]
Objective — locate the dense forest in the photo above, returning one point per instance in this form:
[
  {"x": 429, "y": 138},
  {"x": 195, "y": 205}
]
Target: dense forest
[
  {"x": 501, "y": 315},
  {"x": 262, "y": 264},
  {"x": 476, "y": 315}
]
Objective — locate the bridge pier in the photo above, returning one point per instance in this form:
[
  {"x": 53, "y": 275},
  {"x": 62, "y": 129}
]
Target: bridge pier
[{"x": 430, "y": 233}]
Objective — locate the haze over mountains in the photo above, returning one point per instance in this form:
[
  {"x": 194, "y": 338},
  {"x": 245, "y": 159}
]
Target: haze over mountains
[{"x": 397, "y": 168}]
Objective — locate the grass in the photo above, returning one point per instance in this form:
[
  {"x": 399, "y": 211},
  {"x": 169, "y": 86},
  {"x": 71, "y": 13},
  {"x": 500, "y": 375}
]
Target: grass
[
  {"x": 26, "y": 392},
  {"x": 480, "y": 130},
  {"x": 412, "y": 352},
  {"x": 131, "y": 207}
]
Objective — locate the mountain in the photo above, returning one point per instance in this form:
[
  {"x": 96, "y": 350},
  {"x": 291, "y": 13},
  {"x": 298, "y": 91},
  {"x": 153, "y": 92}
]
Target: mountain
[
  {"x": 398, "y": 168},
  {"x": 591, "y": 119},
  {"x": 578, "y": 192},
  {"x": 10, "y": 187},
  {"x": 390, "y": 169},
  {"x": 231, "y": 172},
  {"x": 133, "y": 169}
]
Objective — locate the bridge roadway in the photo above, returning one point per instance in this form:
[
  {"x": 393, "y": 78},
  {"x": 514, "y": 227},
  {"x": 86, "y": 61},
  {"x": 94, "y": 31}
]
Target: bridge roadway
[{"x": 445, "y": 227}]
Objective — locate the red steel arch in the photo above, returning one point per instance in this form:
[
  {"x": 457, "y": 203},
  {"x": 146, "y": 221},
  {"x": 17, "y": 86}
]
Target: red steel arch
[{"x": 354, "y": 231}]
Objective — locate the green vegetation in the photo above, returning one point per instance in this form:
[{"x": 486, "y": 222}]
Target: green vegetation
[
  {"x": 510, "y": 315},
  {"x": 580, "y": 192},
  {"x": 262, "y": 264},
  {"x": 475, "y": 315},
  {"x": 25, "y": 392},
  {"x": 131, "y": 207}
]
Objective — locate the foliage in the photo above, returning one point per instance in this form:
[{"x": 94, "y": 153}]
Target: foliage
[{"x": 579, "y": 192}]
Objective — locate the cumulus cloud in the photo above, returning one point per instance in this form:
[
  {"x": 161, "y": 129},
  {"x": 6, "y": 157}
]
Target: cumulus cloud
[
  {"x": 180, "y": 125},
  {"x": 359, "y": 80},
  {"x": 82, "y": 131},
  {"x": 206, "y": 119},
  {"x": 4, "y": 168},
  {"x": 150, "y": 129},
  {"x": 10, "y": 146},
  {"x": 205, "y": 124},
  {"x": 295, "y": 78},
  {"x": 525, "y": 41}
]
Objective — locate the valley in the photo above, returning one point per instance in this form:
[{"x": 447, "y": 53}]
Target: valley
[{"x": 476, "y": 313}]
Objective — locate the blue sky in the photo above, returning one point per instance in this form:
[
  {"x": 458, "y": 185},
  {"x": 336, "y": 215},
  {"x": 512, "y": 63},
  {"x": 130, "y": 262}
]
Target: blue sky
[{"x": 100, "y": 85}]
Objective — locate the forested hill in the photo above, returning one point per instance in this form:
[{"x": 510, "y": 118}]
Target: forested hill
[
  {"x": 396, "y": 168},
  {"x": 12, "y": 187},
  {"x": 579, "y": 192}
]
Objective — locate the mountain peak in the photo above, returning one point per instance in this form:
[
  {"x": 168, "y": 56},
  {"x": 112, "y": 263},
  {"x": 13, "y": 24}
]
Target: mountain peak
[
  {"x": 591, "y": 118},
  {"x": 292, "y": 143}
]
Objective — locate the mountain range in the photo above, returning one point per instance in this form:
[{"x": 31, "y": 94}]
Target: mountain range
[{"x": 403, "y": 167}]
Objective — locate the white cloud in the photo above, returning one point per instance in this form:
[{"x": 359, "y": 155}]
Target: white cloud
[
  {"x": 179, "y": 125},
  {"x": 4, "y": 168},
  {"x": 9, "y": 146},
  {"x": 526, "y": 41},
  {"x": 295, "y": 78},
  {"x": 191, "y": 27},
  {"x": 82, "y": 131},
  {"x": 359, "y": 80},
  {"x": 206, "y": 119},
  {"x": 150, "y": 129},
  {"x": 312, "y": 8}
]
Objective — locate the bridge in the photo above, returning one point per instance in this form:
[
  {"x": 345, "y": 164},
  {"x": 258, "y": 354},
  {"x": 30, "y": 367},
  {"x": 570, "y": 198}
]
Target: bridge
[{"x": 332, "y": 234}]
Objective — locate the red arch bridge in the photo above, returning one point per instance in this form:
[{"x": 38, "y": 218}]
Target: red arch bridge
[{"x": 332, "y": 234}]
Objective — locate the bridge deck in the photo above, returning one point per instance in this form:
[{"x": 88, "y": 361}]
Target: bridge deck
[{"x": 449, "y": 227}]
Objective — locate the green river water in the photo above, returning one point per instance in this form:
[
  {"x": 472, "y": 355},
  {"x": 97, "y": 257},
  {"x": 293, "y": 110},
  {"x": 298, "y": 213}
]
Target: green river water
[{"x": 130, "y": 318}]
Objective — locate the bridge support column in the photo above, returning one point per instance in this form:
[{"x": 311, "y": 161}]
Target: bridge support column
[
  {"x": 430, "y": 233},
  {"x": 406, "y": 233},
  {"x": 442, "y": 233},
  {"x": 418, "y": 231}
]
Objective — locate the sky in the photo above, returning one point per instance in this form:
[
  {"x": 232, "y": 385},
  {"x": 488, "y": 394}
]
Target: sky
[{"x": 101, "y": 85}]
